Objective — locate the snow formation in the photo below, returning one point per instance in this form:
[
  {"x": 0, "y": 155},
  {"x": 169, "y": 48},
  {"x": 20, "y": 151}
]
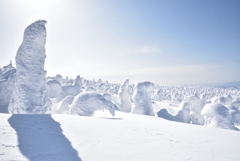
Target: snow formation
[
  {"x": 6, "y": 92},
  {"x": 85, "y": 104},
  {"x": 195, "y": 107},
  {"x": 142, "y": 103},
  {"x": 72, "y": 89},
  {"x": 29, "y": 93},
  {"x": 217, "y": 115},
  {"x": 125, "y": 96}
]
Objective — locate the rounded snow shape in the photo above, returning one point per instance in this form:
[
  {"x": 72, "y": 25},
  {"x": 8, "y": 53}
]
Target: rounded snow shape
[
  {"x": 236, "y": 104},
  {"x": 102, "y": 87},
  {"x": 142, "y": 103},
  {"x": 64, "y": 104},
  {"x": 163, "y": 113},
  {"x": 107, "y": 96},
  {"x": 88, "y": 89},
  {"x": 182, "y": 116},
  {"x": 235, "y": 113},
  {"x": 217, "y": 115},
  {"x": 85, "y": 104},
  {"x": 54, "y": 88},
  {"x": 72, "y": 89},
  {"x": 219, "y": 100},
  {"x": 196, "y": 118},
  {"x": 195, "y": 104},
  {"x": 184, "y": 106}
]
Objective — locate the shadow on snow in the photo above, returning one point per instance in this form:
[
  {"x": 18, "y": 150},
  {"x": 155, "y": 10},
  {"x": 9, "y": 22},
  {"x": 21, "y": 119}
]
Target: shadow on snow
[{"x": 40, "y": 138}]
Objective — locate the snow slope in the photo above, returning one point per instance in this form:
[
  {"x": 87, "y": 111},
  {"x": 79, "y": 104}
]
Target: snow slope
[{"x": 102, "y": 137}]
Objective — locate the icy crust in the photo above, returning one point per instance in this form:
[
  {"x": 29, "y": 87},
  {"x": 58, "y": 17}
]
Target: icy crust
[
  {"x": 125, "y": 96},
  {"x": 142, "y": 103},
  {"x": 29, "y": 93},
  {"x": 85, "y": 104},
  {"x": 217, "y": 115}
]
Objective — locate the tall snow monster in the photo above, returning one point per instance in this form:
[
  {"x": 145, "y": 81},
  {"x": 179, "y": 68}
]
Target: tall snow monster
[
  {"x": 29, "y": 93},
  {"x": 142, "y": 103}
]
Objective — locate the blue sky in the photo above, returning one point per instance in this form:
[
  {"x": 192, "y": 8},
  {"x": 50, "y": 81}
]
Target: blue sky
[{"x": 167, "y": 42}]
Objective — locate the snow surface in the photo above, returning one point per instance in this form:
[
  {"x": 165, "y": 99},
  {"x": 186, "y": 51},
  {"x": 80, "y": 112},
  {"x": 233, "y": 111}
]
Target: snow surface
[{"x": 124, "y": 137}]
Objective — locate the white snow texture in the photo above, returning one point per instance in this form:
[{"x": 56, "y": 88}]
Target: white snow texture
[
  {"x": 29, "y": 93},
  {"x": 142, "y": 103},
  {"x": 85, "y": 104}
]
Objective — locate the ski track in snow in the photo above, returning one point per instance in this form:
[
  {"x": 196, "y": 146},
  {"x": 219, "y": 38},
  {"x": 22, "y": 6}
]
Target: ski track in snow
[{"x": 124, "y": 137}]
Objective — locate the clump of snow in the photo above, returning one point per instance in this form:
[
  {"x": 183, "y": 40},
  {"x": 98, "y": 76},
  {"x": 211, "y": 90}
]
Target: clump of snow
[
  {"x": 217, "y": 115},
  {"x": 195, "y": 107},
  {"x": 85, "y": 104},
  {"x": 235, "y": 113},
  {"x": 54, "y": 88},
  {"x": 7, "y": 70},
  {"x": 219, "y": 100},
  {"x": 183, "y": 114},
  {"x": 125, "y": 96},
  {"x": 236, "y": 104},
  {"x": 88, "y": 89},
  {"x": 107, "y": 96},
  {"x": 142, "y": 103},
  {"x": 64, "y": 104},
  {"x": 72, "y": 89},
  {"x": 5, "y": 93},
  {"x": 29, "y": 93}
]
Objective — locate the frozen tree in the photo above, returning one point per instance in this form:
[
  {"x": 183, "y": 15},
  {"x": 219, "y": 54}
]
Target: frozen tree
[
  {"x": 5, "y": 93},
  {"x": 142, "y": 103},
  {"x": 195, "y": 109},
  {"x": 125, "y": 96},
  {"x": 184, "y": 112},
  {"x": 217, "y": 115},
  {"x": 29, "y": 92},
  {"x": 235, "y": 113},
  {"x": 54, "y": 88},
  {"x": 64, "y": 104},
  {"x": 88, "y": 89},
  {"x": 85, "y": 104},
  {"x": 72, "y": 89}
]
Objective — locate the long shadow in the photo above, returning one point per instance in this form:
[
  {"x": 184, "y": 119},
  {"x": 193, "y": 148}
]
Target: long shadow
[{"x": 40, "y": 138}]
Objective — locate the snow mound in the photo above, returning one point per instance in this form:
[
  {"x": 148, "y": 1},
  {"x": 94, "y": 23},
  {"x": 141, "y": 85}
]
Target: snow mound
[
  {"x": 29, "y": 92},
  {"x": 183, "y": 114},
  {"x": 85, "y": 104},
  {"x": 142, "y": 103},
  {"x": 217, "y": 115}
]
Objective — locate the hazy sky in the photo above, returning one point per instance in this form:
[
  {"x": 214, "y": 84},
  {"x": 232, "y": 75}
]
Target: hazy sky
[{"x": 164, "y": 41}]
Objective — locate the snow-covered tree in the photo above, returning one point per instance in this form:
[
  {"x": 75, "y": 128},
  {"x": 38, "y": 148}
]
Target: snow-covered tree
[{"x": 29, "y": 93}]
